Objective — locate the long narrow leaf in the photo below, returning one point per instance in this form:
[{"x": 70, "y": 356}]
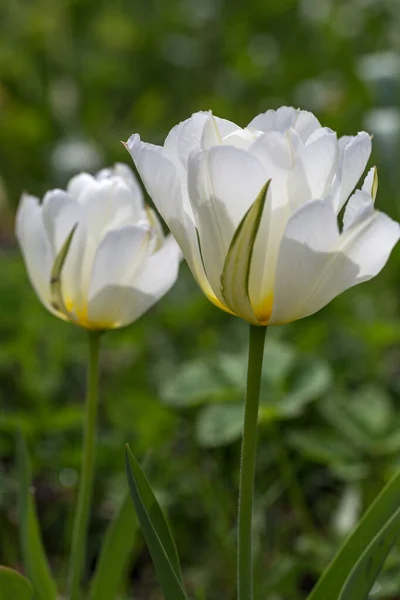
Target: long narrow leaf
[
  {"x": 370, "y": 563},
  {"x": 359, "y": 561},
  {"x": 117, "y": 549},
  {"x": 34, "y": 557},
  {"x": 14, "y": 586},
  {"x": 155, "y": 530}
]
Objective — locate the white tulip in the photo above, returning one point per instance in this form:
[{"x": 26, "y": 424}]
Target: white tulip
[
  {"x": 256, "y": 210},
  {"x": 95, "y": 254}
]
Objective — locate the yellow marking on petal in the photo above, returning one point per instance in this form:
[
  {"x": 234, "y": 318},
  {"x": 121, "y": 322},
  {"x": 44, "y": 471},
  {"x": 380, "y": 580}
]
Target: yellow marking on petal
[
  {"x": 79, "y": 316},
  {"x": 218, "y": 303},
  {"x": 263, "y": 311}
]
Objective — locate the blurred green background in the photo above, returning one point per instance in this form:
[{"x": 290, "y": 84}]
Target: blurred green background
[{"x": 78, "y": 76}]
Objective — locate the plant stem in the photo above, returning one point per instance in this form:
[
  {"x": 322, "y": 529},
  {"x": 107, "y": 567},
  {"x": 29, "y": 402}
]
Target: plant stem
[
  {"x": 248, "y": 461},
  {"x": 79, "y": 532}
]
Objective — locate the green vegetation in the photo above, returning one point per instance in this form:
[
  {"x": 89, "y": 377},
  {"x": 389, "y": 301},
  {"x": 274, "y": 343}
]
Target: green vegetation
[{"x": 75, "y": 78}]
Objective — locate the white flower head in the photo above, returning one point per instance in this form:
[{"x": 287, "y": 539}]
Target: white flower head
[
  {"x": 255, "y": 210},
  {"x": 95, "y": 254}
]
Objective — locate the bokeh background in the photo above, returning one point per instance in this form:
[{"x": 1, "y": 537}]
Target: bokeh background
[{"x": 78, "y": 76}]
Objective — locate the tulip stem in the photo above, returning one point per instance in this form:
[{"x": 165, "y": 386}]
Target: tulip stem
[
  {"x": 79, "y": 532},
  {"x": 248, "y": 462}
]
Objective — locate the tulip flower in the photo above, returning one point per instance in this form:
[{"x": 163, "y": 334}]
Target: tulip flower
[
  {"x": 272, "y": 227},
  {"x": 95, "y": 254},
  {"x": 256, "y": 210}
]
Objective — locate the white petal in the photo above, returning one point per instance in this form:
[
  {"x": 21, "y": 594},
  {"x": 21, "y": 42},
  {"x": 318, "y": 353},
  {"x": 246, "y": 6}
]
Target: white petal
[
  {"x": 312, "y": 274},
  {"x": 355, "y": 157},
  {"x": 117, "y": 262},
  {"x": 188, "y": 135},
  {"x": 370, "y": 185},
  {"x": 285, "y": 118},
  {"x": 274, "y": 120},
  {"x": 274, "y": 152},
  {"x": 124, "y": 172},
  {"x": 157, "y": 275},
  {"x": 35, "y": 246},
  {"x": 223, "y": 183},
  {"x": 108, "y": 204},
  {"x": 359, "y": 206},
  {"x": 160, "y": 177},
  {"x": 304, "y": 257},
  {"x": 60, "y": 214},
  {"x": 305, "y": 124},
  {"x": 314, "y": 168},
  {"x": 368, "y": 244},
  {"x": 214, "y": 132},
  {"x": 240, "y": 138},
  {"x": 77, "y": 184}
]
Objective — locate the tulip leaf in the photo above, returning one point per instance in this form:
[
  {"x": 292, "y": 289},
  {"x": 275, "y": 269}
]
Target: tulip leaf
[
  {"x": 14, "y": 585},
  {"x": 236, "y": 272},
  {"x": 34, "y": 557},
  {"x": 116, "y": 551},
  {"x": 57, "y": 300},
  {"x": 358, "y": 563},
  {"x": 156, "y": 530}
]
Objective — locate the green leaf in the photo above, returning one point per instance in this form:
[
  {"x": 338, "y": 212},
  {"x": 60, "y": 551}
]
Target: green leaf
[
  {"x": 155, "y": 530},
  {"x": 116, "y": 551},
  {"x": 313, "y": 380},
  {"x": 279, "y": 358},
  {"x": 14, "y": 585},
  {"x": 34, "y": 557},
  {"x": 219, "y": 424},
  {"x": 194, "y": 383},
  {"x": 236, "y": 271},
  {"x": 353, "y": 571}
]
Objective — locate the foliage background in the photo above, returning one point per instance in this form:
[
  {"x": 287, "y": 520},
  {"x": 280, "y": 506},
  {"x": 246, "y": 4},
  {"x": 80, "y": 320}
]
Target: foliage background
[{"x": 77, "y": 76}]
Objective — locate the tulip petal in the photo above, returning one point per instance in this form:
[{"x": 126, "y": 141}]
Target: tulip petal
[
  {"x": 57, "y": 298},
  {"x": 369, "y": 242},
  {"x": 78, "y": 184},
  {"x": 190, "y": 135},
  {"x": 355, "y": 157},
  {"x": 285, "y": 118},
  {"x": 123, "y": 301},
  {"x": 116, "y": 264},
  {"x": 235, "y": 277},
  {"x": 35, "y": 246},
  {"x": 359, "y": 207},
  {"x": 109, "y": 203},
  {"x": 313, "y": 168},
  {"x": 156, "y": 277},
  {"x": 274, "y": 152},
  {"x": 315, "y": 264},
  {"x": 160, "y": 177},
  {"x": 370, "y": 185},
  {"x": 223, "y": 183},
  {"x": 305, "y": 254},
  {"x": 60, "y": 214}
]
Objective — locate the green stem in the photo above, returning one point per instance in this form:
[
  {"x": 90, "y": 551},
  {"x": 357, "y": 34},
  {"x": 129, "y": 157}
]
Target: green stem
[
  {"x": 79, "y": 532},
  {"x": 248, "y": 462}
]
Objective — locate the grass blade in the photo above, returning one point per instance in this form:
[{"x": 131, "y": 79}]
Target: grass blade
[
  {"x": 14, "y": 585},
  {"x": 155, "y": 530},
  {"x": 116, "y": 551},
  {"x": 358, "y": 563},
  {"x": 34, "y": 557}
]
